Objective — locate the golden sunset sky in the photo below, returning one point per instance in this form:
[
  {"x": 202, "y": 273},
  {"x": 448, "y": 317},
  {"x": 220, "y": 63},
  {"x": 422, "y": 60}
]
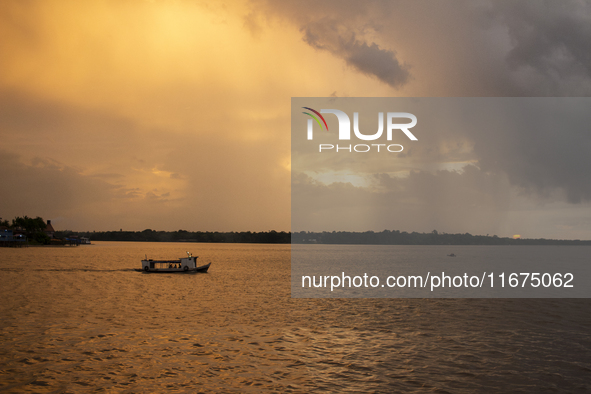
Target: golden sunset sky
[{"x": 176, "y": 114}]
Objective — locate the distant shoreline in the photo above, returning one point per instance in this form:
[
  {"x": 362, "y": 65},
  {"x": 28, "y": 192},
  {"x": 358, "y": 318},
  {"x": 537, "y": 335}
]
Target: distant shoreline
[
  {"x": 385, "y": 237},
  {"x": 396, "y": 237}
]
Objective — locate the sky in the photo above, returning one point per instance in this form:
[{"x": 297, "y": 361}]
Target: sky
[
  {"x": 176, "y": 114},
  {"x": 483, "y": 165}
]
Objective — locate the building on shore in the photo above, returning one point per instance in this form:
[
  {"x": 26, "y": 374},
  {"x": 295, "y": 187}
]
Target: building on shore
[
  {"x": 49, "y": 230},
  {"x": 11, "y": 238}
]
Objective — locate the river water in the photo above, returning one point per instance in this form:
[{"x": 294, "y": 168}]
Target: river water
[{"x": 80, "y": 319}]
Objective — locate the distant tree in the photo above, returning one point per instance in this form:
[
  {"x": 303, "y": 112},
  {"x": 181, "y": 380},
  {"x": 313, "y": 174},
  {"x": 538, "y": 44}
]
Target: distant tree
[
  {"x": 63, "y": 234},
  {"x": 28, "y": 224},
  {"x": 42, "y": 238}
]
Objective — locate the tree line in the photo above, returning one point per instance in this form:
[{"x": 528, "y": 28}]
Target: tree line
[
  {"x": 386, "y": 237},
  {"x": 32, "y": 227},
  {"x": 149, "y": 235},
  {"x": 395, "y": 237}
]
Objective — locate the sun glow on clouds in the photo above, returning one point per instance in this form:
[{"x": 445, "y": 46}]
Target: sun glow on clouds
[
  {"x": 192, "y": 98},
  {"x": 166, "y": 174},
  {"x": 328, "y": 178}
]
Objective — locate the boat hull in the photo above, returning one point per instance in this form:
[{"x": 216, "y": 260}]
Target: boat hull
[{"x": 202, "y": 269}]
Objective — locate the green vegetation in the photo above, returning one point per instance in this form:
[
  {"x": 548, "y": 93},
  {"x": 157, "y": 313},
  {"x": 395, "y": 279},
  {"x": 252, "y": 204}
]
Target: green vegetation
[
  {"x": 34, "y": 229},
  {"x": 385, "y": 237},
  {"x": 30, "y": 225},
  {"x": 148, "y": 235}
]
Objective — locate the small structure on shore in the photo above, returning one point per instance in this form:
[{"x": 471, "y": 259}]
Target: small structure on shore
[
  {"x": 10, "y": 238},
  {"x": 36, "y": 231},
  {"x": 49, "y": 230}
]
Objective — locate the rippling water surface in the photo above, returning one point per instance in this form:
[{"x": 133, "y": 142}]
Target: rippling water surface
[{"x": 80, "y": 319}]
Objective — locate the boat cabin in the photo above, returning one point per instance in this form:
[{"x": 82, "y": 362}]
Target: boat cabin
[{"x": 183, "y": 264}]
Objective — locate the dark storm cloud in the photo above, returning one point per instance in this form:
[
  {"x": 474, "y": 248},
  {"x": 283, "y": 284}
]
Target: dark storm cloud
[
  {"x": 367, "y": 58},
  {"x": 456, "y": 47},
  {"x": 513, "y": 48},
  {"x": 543, "y": 145},
  {"x": 342, "y": 28},
  {"x": 550, "y": 44}
]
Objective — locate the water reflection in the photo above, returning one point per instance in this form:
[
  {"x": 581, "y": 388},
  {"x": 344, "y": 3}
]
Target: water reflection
[{"x": 84, "y": 321}]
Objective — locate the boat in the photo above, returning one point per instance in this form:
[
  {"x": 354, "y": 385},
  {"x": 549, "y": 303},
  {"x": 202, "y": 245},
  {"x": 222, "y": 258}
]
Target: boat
[
  {"x": 184, "y": 264},
  {"x": 451, "y": 255}
]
